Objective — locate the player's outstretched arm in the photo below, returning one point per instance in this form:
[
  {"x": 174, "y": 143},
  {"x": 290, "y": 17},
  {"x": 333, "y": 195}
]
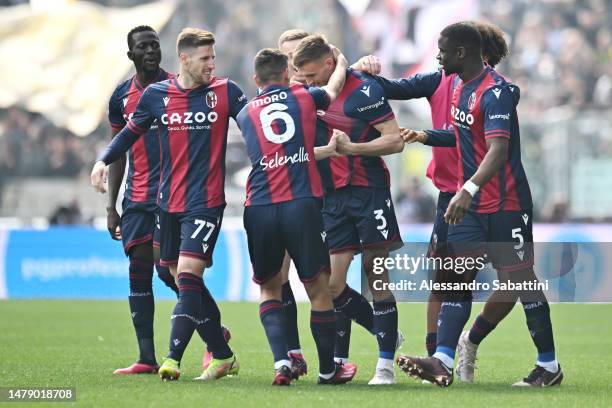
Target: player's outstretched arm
[
  {"x": 368, "y": 63},
  {"x": 389, "y": 141},
  {"x": 336, "y": 81},
  {"x": 496, "y": 156}
]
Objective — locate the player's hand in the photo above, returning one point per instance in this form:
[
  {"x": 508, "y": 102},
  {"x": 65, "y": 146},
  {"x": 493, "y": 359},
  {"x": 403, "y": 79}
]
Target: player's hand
[
  {"x": 412, "y": 136},
  {"x": 370, "y": 64},
  {"x": 458, "y": 206},
  {"x": 99, "y": 174},
  {"x": 343, "y": 142},
  {"x": 332, "y": 146},
  {"x": 113, "y": 223}
]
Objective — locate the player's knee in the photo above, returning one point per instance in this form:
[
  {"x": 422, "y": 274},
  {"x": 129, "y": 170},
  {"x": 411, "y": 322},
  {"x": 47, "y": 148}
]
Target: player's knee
[
  {"x": 336, "y": 286},
  {"x": 141, "y": 274},
  {"x": 318, "y": 291},
  {"x": 142, "y": 251},
  {"x": 163, "y": 273}
]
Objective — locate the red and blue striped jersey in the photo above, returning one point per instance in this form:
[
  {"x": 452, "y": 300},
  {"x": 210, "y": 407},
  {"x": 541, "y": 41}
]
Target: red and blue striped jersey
[
  {"x": 360, "y": 105},
  {"x": 437, "y": 87},
  {"x": 483, "y": 108},
  {"x": 279, "y": 127},
  {"x": 143, "y": 157},
  {"x": 193, "y": 125}
]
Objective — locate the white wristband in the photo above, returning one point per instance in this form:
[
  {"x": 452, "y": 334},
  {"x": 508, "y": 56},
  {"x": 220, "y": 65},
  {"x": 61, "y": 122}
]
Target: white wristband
[{"x": 470, "y": 187}]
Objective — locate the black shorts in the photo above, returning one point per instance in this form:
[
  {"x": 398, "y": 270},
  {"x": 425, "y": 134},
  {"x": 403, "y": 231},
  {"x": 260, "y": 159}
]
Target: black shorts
[
  {"x": 505, "y": 237},
  {"x": 192, "y": 233},
  {"x": 357, "y": 218},
  {"x": 295, "y": 226},
  {"x": 138, "y": 222},
  {"x": 437, "y": 241}
]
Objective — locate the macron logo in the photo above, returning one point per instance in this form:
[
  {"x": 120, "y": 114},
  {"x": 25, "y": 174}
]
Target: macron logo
[
  {"x": 366, "y": 90},
  {"x": 497, "y": 92},
  {"x": 166, "y": 100},
  {"x": 125, "y": 102}
]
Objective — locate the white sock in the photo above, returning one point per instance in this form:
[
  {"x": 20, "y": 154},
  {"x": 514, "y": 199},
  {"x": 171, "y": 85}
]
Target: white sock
[
  {"x": 550, "y": 366},
  {"x": 384, "y": 364},
  {"x": 327, "y": 376},
  {"x": 448, "y": 361},
  {"x": 341, "y": 360},
  {"x": 296, "y": 351},
  {"x": 278, "y": 364}
]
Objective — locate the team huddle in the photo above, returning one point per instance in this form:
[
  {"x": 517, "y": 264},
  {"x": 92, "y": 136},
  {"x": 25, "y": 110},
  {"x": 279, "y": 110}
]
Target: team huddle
[{"x": 317, "y": 195}]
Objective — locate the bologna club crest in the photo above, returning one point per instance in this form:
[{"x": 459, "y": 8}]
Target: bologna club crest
[
  {"x": 211, "y": 99},
  {"x": 472, "y": 101}
]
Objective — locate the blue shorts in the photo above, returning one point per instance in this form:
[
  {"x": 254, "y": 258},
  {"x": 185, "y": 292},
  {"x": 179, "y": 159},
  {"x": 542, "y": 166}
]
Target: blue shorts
[
  {"x": 357, "y": 218},
  {"x": 192, "y": 233},
  {"x": 506, "y": 237},
  {"x": 295, "y": 226},
  {"x": 138, "y": 222}
]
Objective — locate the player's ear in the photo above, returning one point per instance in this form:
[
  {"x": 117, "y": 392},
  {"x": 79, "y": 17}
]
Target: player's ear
[
  {"x": 286, "y": 74},
  {"x": 257, "y": 81},
  {"x": 183, "y": 57},
  {"x": 130, "y": 55},
  {"x": 461, "y": 52}
]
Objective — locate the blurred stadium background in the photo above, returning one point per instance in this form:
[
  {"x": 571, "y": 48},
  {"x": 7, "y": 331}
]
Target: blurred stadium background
[{"x": 62, "y": 59}]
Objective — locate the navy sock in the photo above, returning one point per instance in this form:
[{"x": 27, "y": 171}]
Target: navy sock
[
  {"x": 343, "y": 336},
  {"x": 142, "y": 307},
  {"x": 187, "y": 313},
  {"x": 453, "y": 316},
  {"x": 385, "y": 326},
  {"x": 163, "y": 273},
  {"x": 290, "y": 308},
  {"x": 480, "y": 329},
  {"x": 323, "y": 327},
  {"x": 540, "y": 328},
  {"x": 430, "y": 343},
  {"x": 355, "y": 307},
  {"x": 210, "y": 329},
  {"x": 273, "y": 319}
]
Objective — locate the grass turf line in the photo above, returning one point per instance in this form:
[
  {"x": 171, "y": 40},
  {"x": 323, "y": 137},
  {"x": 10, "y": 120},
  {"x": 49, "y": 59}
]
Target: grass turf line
[{"x": 79, "y": 343}]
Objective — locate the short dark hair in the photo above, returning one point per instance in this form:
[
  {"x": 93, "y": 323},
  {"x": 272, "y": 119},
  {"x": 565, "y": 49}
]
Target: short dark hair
[
  {"x": 463, "y": 34},
  {"x": 311, "y": 48},
  {"x": 193, "y": 38},
  {"x": 138, "y": 29},
  {"x": 270, "y": 64},
  {"x": 494, "y": 45},
  {"x": 292, "y": 35}
]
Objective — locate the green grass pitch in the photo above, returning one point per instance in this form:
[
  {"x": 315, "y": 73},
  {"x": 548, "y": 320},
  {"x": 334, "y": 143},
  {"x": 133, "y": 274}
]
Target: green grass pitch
[{"x": 79, "y": 343}]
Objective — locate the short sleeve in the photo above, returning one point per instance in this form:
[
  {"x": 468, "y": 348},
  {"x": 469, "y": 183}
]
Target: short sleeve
[
  {"x": 115, "y": 113},
  {"x": 320, "y": 97},
  {"x": 497, "y": 108},
  {"x": 368, "y": 102},
  {"x": 237, "y": 99}
]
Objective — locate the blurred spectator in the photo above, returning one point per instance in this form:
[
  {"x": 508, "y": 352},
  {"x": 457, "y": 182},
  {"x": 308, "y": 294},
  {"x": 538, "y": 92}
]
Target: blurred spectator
[
  {"x": 414, "y": 204},
  {"x": 67, "y": 214}
]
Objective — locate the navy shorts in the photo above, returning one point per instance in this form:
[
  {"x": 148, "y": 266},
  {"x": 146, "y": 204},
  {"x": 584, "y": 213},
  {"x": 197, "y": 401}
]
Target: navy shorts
[
  {"x": 437, "y": 241},
  {"x": 138, "y": 222},
  {"x": 357, "y": 218},
  {"x": 192, "y": 233},
  {"x": 506, "y": 237},
  {"x": 295, "y": 226}
]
